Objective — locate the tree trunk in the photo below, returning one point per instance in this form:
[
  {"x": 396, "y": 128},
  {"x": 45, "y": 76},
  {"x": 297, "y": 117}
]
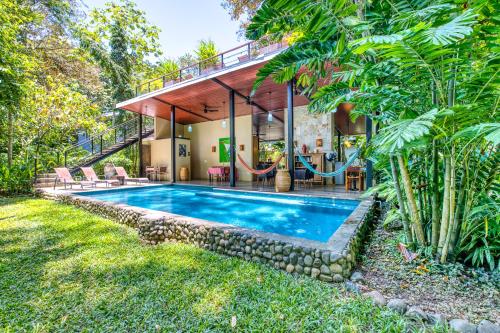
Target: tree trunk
[
  {"x": 401, "y": 203},
  {"x": 417, "y": 223},
  {"x": 457, "y": 223},
  {"x": 451, "y": 218},
  {"x": 10, "y": 136},
  {"x": 446, "y": 207},
  {"x": 435, "y": 198}
]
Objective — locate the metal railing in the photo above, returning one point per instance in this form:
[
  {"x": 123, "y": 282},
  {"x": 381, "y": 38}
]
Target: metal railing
[
  {"x": 236, "y": 56},
  {"x": 105, "y": 141}
]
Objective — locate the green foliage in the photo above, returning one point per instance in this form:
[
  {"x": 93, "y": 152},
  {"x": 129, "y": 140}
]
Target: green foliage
[
  {"x": 16, "y": 179},
  {"x": 206, "y": 53},
  {"x": 427, "y": 73}
]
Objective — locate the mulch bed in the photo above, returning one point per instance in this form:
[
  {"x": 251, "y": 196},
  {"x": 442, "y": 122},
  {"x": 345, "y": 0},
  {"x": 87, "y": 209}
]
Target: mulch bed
[{"x": 452, "y": 290}]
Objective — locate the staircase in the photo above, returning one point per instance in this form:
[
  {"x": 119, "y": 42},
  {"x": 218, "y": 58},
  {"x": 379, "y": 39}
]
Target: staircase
[{"x": 104, "y": 144}]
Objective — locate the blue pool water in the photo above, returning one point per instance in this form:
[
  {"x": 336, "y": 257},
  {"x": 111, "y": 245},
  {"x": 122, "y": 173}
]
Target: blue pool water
[{"x": 305, "y": 217}]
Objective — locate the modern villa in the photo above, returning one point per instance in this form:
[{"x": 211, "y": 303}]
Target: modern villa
[
  {"x": 207, "y": 110},
  {"x": 214, "y": 145}
]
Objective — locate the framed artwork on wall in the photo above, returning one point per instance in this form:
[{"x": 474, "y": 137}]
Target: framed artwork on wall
[
  {"x": 223, "y": 150},
  {"x": 182, "y": 150}
]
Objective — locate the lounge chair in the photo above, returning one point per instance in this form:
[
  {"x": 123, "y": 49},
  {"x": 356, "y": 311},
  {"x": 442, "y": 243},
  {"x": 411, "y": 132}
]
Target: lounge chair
[
  {"x": 120, "y": 171},
  {"x": 91, "y": 176},
  {"x": 64, "y": 176}
]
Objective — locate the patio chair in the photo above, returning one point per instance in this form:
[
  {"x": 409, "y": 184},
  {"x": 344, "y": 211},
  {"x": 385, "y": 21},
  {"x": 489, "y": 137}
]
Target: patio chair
[
  {"x": 64, "y": 176},
  {"x": 162, "y": 171},
  {"x": 120, "y": 171},
  {"x": 91, "y": 176}
]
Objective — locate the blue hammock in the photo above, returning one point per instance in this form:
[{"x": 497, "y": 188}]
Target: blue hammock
[{"x": 328, "y": 174}]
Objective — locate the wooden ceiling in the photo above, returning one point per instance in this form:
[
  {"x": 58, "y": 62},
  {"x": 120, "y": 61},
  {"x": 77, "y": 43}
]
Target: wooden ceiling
[{"x": 193, "y": 98}]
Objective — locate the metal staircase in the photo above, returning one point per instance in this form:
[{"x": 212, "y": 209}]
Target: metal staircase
[{"x": 99, "y": 146}]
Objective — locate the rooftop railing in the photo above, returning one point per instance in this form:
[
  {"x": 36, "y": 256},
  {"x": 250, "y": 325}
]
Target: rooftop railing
[{"x": 231, "y": 58}]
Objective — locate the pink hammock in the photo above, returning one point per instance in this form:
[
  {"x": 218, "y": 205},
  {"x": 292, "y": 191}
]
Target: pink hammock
[{"x": 259, "y": 172}]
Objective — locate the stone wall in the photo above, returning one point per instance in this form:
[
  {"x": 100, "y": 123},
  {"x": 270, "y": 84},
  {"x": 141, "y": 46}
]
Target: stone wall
[{"x": 329, "y": 262}]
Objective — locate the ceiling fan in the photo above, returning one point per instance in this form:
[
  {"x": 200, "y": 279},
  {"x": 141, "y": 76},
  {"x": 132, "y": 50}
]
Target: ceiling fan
[{"x": 207, "y": 108}]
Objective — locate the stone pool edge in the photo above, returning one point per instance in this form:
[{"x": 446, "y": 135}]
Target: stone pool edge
[{"x": 332, "y": 261}]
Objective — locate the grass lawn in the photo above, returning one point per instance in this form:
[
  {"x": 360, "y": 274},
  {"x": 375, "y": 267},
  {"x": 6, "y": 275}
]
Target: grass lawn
[{"x": 63, "y": 269}]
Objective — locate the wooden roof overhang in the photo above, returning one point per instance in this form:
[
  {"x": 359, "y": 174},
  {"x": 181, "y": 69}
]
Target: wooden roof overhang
[{"x": 212, "y": 90}]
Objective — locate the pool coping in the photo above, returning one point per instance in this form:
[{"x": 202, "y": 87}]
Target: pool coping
[{"x": 338, "y": 246}]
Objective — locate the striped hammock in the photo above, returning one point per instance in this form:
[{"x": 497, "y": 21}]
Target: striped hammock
[
  {"x": 328, "y": 174},
  {"x": 259, "y": 172}
]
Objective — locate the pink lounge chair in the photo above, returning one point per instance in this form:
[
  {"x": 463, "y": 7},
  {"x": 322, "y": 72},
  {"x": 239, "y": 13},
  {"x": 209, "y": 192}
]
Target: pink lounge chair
[
  {"x": 120, "y": 171},
  {"x": 91, "y": 176},
  {"x": 64, "y": 176}
]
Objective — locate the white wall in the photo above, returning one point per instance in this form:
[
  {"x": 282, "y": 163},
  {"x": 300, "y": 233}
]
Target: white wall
[{"x": 207, "y": 134}]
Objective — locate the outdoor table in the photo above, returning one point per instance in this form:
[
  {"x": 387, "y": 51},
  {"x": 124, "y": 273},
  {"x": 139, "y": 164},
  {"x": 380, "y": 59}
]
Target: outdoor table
[{"x": 218, "y": 171}]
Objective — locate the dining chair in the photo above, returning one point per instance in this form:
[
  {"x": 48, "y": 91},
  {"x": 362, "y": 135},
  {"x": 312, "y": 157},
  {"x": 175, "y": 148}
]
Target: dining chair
[{"x": 162, "y": 170}]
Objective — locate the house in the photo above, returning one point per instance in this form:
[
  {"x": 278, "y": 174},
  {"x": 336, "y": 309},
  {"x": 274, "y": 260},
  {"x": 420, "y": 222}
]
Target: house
[{"x": 207, "y": 110}]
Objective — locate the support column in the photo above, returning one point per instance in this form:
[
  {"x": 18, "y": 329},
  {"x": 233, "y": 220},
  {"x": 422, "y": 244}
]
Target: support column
[
  {"x": 141, "y": 162},
  {"x": 339, "y": 157},
  {"x": 369, "y": 164},
  {"x": 289, "y": 139},
  {"x": 172, "y": 142},
  {"x": 232, "y": 141}
]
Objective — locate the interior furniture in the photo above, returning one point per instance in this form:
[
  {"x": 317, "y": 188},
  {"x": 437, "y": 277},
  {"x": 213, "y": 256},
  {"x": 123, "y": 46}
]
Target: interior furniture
[
  {"x": 317, "y": 159},
  {"x": 267, "y": 177},
  {"x": 216, "y": 172},
  {"x": 354, "y": 178},
  {"x": 304, "y": 176},
  {"x": 151, "y": 172},
  {"x": 162, "y": 170}
]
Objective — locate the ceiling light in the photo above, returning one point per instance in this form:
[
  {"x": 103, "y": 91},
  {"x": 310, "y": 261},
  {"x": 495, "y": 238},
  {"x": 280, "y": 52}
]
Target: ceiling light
[
  {"x": 190, "y": 128},
  {"x": 269, "y": 117}
]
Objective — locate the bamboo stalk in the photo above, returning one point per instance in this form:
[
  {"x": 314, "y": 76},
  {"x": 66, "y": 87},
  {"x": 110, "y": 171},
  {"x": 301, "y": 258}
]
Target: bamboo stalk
[
  {"x": 435, "y": 197},
  {"x": 451, "y": 217},
  {"x": 401, "y": 203},
  {"x": 457, "y": 222},
  {"x": 417, "y": 223},
  {"x": 446, "y": 207}
]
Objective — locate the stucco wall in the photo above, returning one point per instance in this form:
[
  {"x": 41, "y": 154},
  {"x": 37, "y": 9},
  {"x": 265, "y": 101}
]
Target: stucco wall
[
  {"x": 160, "y": 155},
  {"x": 207, "y": 134}
]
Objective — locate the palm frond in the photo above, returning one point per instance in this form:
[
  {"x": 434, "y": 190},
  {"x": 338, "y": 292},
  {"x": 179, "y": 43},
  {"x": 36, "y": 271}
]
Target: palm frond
[{"x": 452, "y": 31}]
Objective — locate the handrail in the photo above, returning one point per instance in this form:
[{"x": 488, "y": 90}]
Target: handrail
[
  {"x": 197, "y": 69},
  {"x": 101, "y": 133},
  {"x": 99, "y": 144}
]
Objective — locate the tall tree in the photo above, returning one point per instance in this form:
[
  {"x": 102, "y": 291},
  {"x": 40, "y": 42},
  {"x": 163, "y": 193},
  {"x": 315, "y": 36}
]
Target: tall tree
[{"x": 122, "y": 41}]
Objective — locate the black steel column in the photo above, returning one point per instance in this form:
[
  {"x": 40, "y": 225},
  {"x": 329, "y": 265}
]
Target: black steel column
[
  {"x": 369, "y": 164},
  {"x": 172, "y": 141},
  {"x": 339, "y": 156},
  {"x": 141, "y": 166},
  {"x": 232, "y": 139},
  {"x": 289, "y": 139}
]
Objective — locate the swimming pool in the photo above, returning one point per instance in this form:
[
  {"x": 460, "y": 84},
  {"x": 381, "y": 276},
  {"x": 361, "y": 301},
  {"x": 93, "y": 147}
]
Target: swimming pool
[{"x": 305, "y": 217}]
